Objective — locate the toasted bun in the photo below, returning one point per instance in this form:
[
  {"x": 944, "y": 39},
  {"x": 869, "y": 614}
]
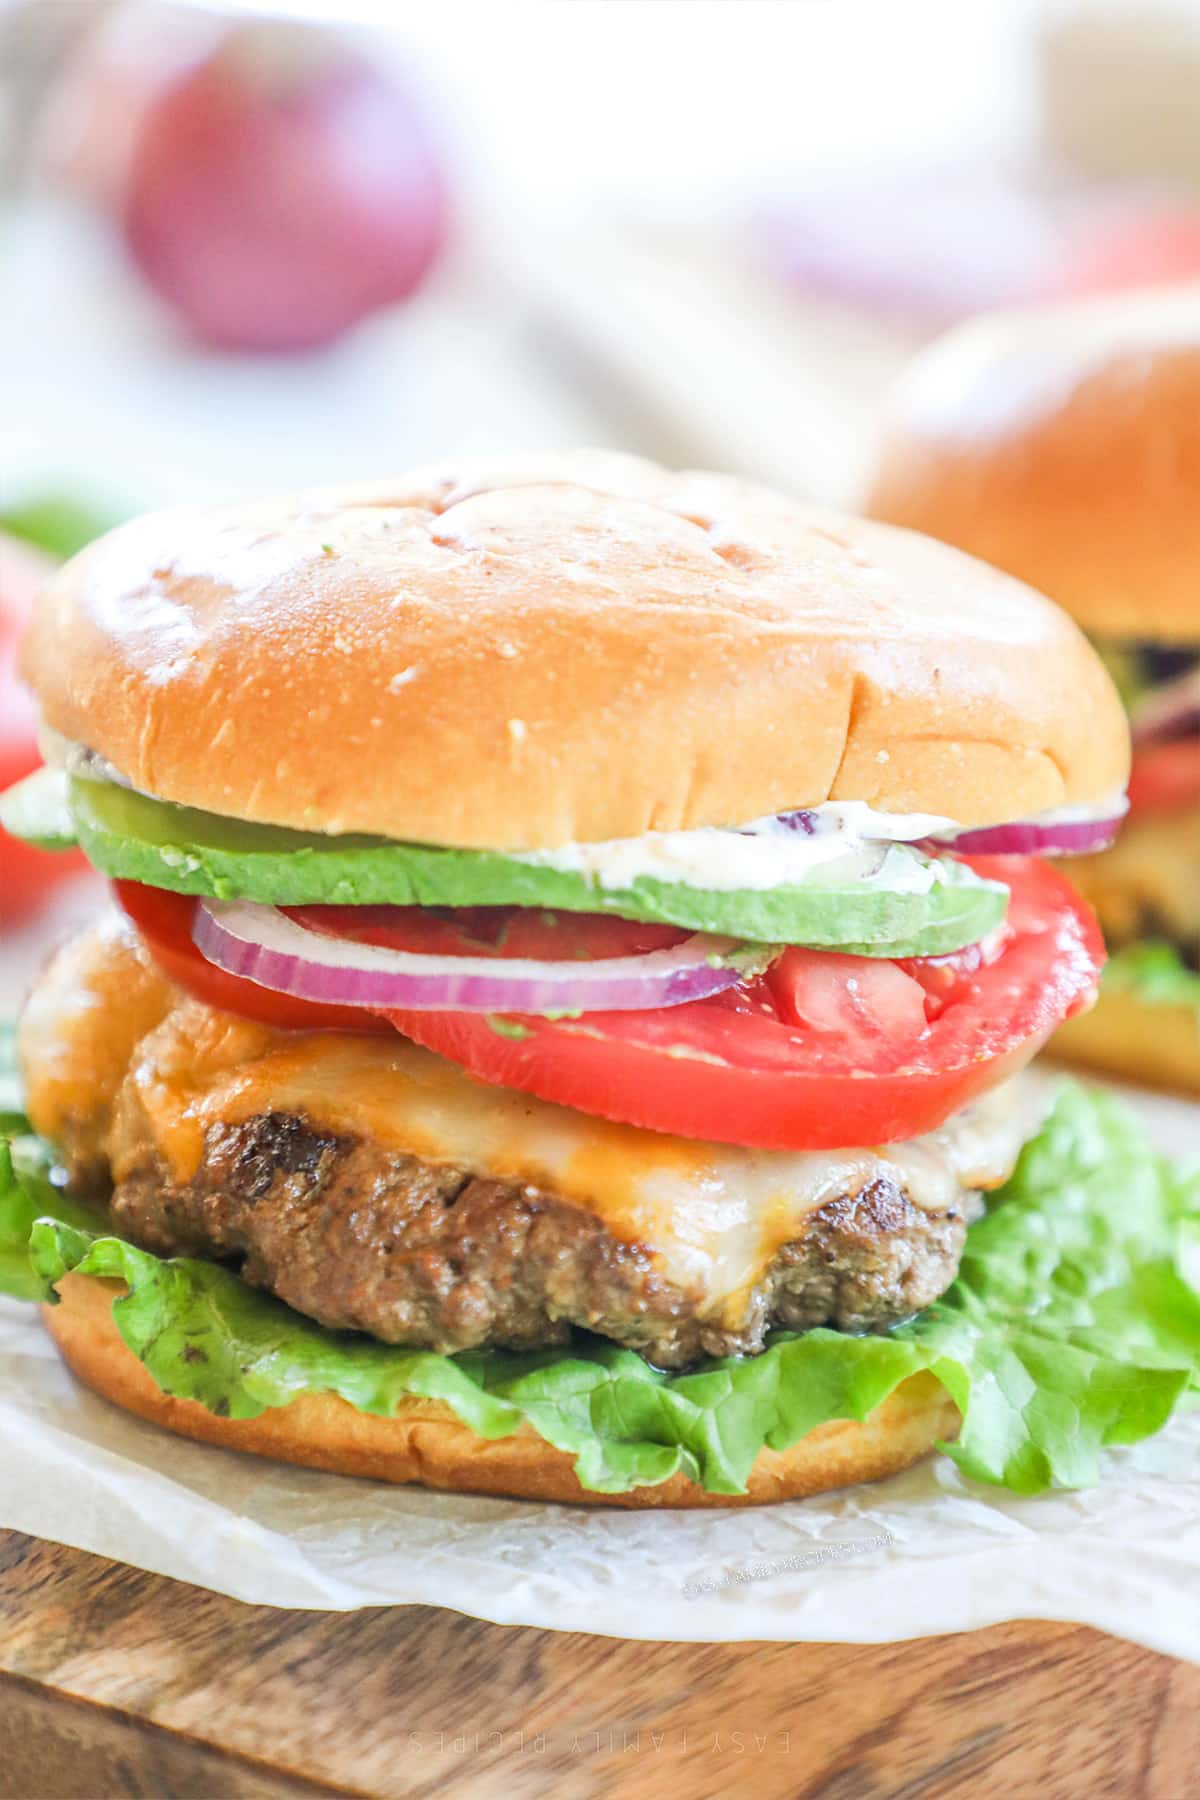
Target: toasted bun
[
  {"x": 1145, "y": 1041},
  {"x": 530, "y": 653},
  {"x": 426, "y": 1443},
  {"x": 1063, "y": 445}
]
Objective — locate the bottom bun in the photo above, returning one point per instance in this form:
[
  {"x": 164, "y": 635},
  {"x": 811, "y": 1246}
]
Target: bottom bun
[
  {"x": 1146, "y": 1041},
  {"x": 427, "y": 1443}
]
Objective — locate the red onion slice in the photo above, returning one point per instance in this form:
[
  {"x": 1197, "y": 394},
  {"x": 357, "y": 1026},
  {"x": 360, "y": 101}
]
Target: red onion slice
[
  {"x": 263, "y": 945},
  {"x": 1070, "y": 837},
  {"x": 1071, "y": 832}
]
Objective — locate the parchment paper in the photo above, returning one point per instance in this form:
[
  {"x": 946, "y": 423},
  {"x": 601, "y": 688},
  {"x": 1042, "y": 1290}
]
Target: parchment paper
[{"x": 922, "y": 1553}]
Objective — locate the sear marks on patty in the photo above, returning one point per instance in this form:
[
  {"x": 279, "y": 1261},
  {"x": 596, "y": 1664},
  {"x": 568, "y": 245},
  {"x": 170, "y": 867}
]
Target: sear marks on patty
[
  {"x": 364, "y": 1238},
  {"x": 869, "y": 1260}
]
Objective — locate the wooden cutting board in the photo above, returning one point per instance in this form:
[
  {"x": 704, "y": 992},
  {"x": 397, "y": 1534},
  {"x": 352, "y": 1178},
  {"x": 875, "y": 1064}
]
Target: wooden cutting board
[{"x": 117, "y": 1683}]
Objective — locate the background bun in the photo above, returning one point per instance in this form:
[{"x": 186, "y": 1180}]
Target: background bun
[
  {"x": 564, "y": 648},
  {"x": 1127, "y": 1036},
  {"x": 427, "y": 1444},
  {"x": 1063, "y": 445}
]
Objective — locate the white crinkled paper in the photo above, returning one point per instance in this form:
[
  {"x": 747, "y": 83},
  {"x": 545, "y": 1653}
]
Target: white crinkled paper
[
  {"x": 921, "y": 1553},
  {"x": 1124, "y": 1556}
]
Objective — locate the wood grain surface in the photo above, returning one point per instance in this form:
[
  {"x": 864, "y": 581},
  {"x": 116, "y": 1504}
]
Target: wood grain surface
[{"x": 116, "y": 1683}]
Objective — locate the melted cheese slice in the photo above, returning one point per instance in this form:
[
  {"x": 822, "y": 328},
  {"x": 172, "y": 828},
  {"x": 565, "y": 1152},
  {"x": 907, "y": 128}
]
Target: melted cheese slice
[
  {"x": 93, "y": 1004},
  {"x": 711, "y": 1215}
]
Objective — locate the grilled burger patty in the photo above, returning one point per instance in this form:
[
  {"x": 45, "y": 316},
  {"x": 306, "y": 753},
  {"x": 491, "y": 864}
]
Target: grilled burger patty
[
  {"x": 356, "y": 1236},
  {"x": 281, "y": 1155}
]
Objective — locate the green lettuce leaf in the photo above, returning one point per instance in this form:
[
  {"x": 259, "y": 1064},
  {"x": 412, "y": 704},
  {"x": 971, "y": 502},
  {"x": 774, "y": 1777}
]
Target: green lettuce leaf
[
  {"x": 1157, "y": 972},
  {"x": 1074, "y": 1324},
  {"x": 27, "y": 1197}
]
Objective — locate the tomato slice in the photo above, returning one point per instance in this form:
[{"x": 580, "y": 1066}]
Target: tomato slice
[
  {"x": 868, "y": 1000},
  {"x": 499, "y": 931},
  {"x": 1165, "y": 777},
  {"x": 823, "y": 1051},
  {"x": 164, "y": 923},
  {"x": 784, "y": 1062},
  {"x": 941, "y": 978}
]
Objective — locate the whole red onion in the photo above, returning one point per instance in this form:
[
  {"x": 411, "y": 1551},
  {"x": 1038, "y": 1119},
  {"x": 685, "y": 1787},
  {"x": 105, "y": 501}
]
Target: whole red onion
[{"x": 280, "y": 186}]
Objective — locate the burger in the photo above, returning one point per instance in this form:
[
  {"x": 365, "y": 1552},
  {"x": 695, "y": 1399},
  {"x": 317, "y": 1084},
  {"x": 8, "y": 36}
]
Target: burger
[
  {"x": 565, "y": 997},
  {"x": 1063, "y": 445}
]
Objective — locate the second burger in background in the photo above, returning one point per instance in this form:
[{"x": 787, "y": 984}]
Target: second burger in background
[{"x": 1063, "y": 445}]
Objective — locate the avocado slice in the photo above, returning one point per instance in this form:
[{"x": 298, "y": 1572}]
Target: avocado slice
[
  {"x": 37, "y": 811},
  {"x": 191, "y": 852}
]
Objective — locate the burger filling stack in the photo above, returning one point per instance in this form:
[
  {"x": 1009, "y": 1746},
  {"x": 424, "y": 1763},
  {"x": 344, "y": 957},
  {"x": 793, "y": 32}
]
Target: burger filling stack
[{"x": 577, "y": 932}]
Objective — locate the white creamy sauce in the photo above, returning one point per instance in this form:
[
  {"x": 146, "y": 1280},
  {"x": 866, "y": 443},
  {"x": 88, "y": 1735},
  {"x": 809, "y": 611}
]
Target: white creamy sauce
[
  {"x": 61, "y": 753},
  {"x": 850, "y": 842}
]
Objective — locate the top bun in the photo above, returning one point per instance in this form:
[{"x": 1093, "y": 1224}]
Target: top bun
[
  {"x": 1063, "y": 444},
  {"x": 526, "y": 653}
]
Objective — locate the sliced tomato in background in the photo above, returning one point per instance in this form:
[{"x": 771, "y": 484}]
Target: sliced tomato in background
[
  {"x": 27, "y": 874},
  {"x": 164, "y": 922},
  {"x": 742, "y": 1068},
  {"x": 1165, "y": 777}
]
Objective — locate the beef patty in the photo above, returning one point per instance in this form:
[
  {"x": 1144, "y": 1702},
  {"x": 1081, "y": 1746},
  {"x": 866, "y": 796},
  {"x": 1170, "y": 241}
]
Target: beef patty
[{"x": 362, "y": 1238}]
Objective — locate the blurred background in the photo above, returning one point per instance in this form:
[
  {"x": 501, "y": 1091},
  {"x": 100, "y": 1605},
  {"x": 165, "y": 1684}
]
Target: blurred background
[{"x": 249, "y": 247}]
